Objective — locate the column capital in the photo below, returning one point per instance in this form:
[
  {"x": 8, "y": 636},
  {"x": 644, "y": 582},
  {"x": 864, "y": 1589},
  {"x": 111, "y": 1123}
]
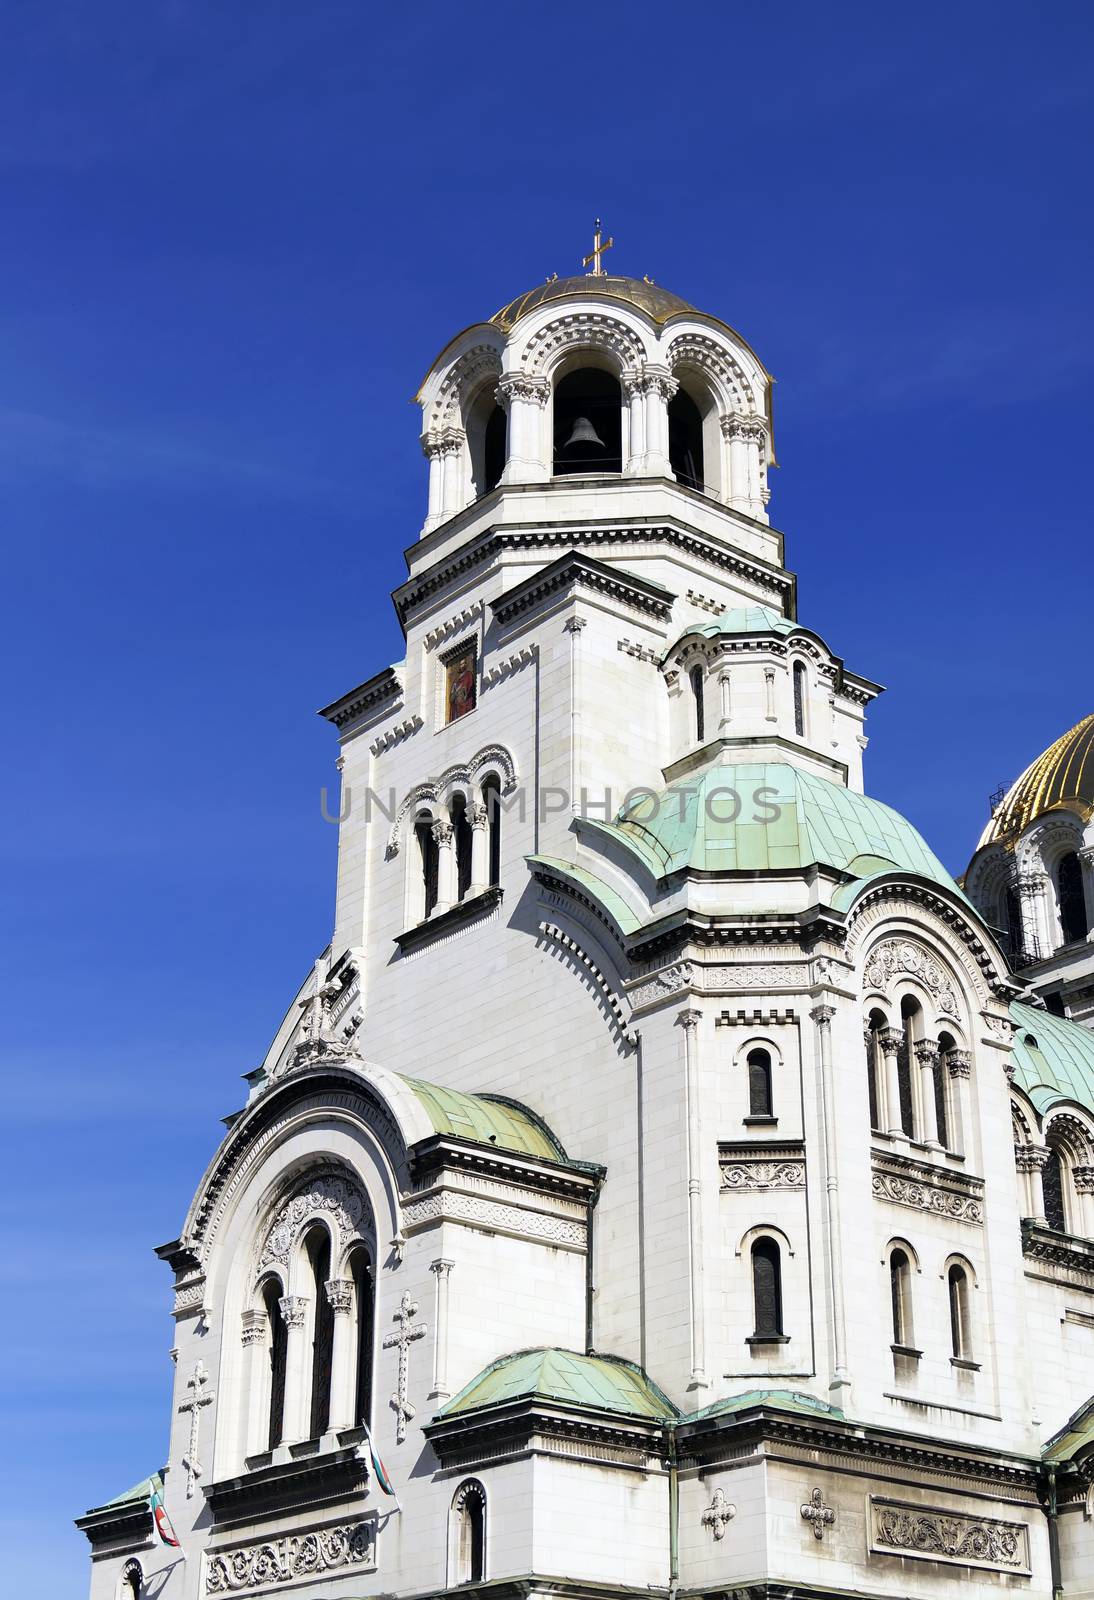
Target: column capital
[
  {"x": 340, "y": 1295},
  {"x": 735, "y": 425},
  {"x": 522, "y": 386},
  {"x": 890, "y": 1040},
  {"x": 442, "y": 832},
  {"x": 689, "y": 1019},
  {"x": 926, "y": 1052},
  {"x": 822, "y": 1015},
  {"x": 1086, "y": 855},
  {"x": 1031, "y": 1157},
  {"x": 574, "y": 625},
  {"x": 442, "y": 1266},
  {"x": 254, "y": 1327},
  {"x": 293, "y": 1307},
  {"x": 478, "y": 816},
  {"x": 1030, "y": 884},
  {"x": 959, "y": 1063}
]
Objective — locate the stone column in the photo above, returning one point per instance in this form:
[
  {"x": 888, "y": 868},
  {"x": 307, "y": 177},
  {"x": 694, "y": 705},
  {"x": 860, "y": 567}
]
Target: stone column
[
  {"x": 890, "y": 1040},
  {"x": 958, "y": 1064},
  {"x": 1031, "y": 887},
  {"x": 441, "y": 1270},
  {"x": 574, "y": 628},
  {"x": 343, "y": 1359},
  {"x": 821, "y": 1016},
  {"x": 444, "y": 837},
  {"x": 724, "y": 688},
  {"x": 746, "y": 437},
  {"x": 660, "y": 387},
  {"x": 256, "y": 1381},
  {"x": 635, "y": 464},
  {"x": 431, "y": 449},
  {"x": 689, "y": 1021},
  {"x": 525, "y": 399},
  {"x": 479, "y": 819},
  {"x": 453, "y": 493},
  {"x": 1082, "y": 1179},
  {"x": 1086, "y": 861},
  {"x": 294, "y": 1314},
  {"x": 926, "y": 1055},
  {"x": 1030, "y": 1159}
]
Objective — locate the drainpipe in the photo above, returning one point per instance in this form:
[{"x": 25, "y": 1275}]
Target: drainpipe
[
  {"x": 1050, "y": 1506},
  {"x": 590, "y": 1291},
  {"x": 674, "y": 1514}
]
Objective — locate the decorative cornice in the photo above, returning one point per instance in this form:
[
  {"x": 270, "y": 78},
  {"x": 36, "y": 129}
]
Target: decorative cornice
[
  {"x": 761, "y": 1166},
  {"x": 395, "y": 735},
  {"x": 576, "y": 571},
  {"x": 268, "y": 1490},
  {"x": 368, "y": 696}
]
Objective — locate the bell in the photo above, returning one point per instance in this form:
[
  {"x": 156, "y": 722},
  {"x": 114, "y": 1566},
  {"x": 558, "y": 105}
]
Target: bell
[{"x": 584, "y": 440}]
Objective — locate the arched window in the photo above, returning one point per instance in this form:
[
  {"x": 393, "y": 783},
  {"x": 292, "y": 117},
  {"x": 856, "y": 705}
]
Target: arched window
[
  {"x": 494, "y": 449},
  {"x": 1012, "y": 910},
  {"x": 428, "y": 855},
  {"x": 491, "y": 799},
  {"x": 910, "y": 1016},
  {"x": 759, "y": 1084},
  {"x": 364, "y": 1304},
  {"x": 873, "y": 1067},
  {"x": 900, "y": 1289},
  {"x": 131, "y": 1586},
  {"x": 469, "y": 1533},
  {"x": 946, "y": 1043},
  {"x": 767, "y": 1289},
  {"x": 271, "y": 1298},
  {"x": 957, "y": 1282},
  {"x": 799, "y": 699},
  {"x": 588, "y": 413},
  {"x": 1069, "y": 890},
  {"x": 686, "y": 440},
  {"x": 696, "y": 678},
  {"x": 322, "y": 1342},
  {"x": 1052, "y": 1179},
  {"x": 461, "y": 829}
]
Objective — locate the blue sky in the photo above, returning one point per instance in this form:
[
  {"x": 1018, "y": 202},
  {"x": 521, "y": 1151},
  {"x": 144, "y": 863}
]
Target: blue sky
[{"x": 235, "y": 235}]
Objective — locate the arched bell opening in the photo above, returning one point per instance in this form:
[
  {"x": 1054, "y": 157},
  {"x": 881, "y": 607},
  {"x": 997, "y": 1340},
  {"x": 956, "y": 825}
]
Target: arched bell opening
[
  {"x": 588, "y": 423},
  {"x": 686, "y": 440},
  {"x": 487, "y": 442}
]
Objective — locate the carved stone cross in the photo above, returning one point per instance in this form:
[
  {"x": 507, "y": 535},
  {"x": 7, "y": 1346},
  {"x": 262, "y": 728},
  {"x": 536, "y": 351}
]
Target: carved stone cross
[
  {"x": 199, "y": 1396},
  {"x": 400, "y": 1404},
  {"x": 719, "y": 1514},
  {"x": 818, "y": 1514}
]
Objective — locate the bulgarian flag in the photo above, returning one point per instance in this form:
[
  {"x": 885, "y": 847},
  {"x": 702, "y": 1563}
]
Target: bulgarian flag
[
  {"x": 379, "y": 1471},
  {"x": 159, "y": 1516}
]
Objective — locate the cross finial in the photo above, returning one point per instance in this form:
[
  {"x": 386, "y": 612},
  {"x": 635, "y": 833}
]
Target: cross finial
[{"x": 599, "y": 246}]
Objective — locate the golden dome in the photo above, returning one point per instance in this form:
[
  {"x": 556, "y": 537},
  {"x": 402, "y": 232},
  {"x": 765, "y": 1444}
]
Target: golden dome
[
  {"x": 649, "y": 297},
  {"x": 1062, "y": 777}
]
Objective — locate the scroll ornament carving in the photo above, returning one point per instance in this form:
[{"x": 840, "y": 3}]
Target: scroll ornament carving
[
  {"x": 763, "y": 1175},
  {"x": 339, "y": 1198},
  {"x": 901, "y": 955},
  {"x": 955, "y": 1538},
  {"x": 352, "y": 1544},
  {"x": 942, "y": 1202},
  {"x": 670, "y": 981}
]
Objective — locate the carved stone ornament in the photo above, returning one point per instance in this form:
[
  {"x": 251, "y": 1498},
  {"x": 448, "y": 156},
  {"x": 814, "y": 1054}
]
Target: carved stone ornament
[
  {"x": 198, "y": 1395},
  {"x": 300, "y": 1555},
  {"x": 409, "y": 1330},
  {"x": 293, "y": 1307},
  {"x": 670, "y": 981},
  {"x": 907, "y": 1182},
  {"x": 770, "y": 1167},
  {"x": 817, "y": 1514},
  {"x": 337, "y": 1198},
  {"x": 960, "y": 1539},
  {"x": 896, "y": 956},
  {"x": 719, "y": 1514},
  {"x": 340, "y": 1295}
]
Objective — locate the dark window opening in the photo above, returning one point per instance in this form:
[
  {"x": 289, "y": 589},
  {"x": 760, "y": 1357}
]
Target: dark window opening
[
  {"x": 364, "y": 1300},
  {"x": 1069, "y": 884},
  {"x": 1055, "y": 1004},
  {"x": 588, "y": 412},
  {"x": 1052, "y": 1179},
  {"x": 959, "y": 1312},
  {"x": 696, "y": 677},
  {"x": 322, "y": 1344},
  {"x": 759, "y": 1084},
  {"x": 491, "y": 799},
  {"x": 941, "y": 1072},
  {"x": 872, "y": 1074},
  {"x": 461, "y": 829},
  {"x": 767, "y": 1293},
  {"x": 427, "y": 845},
  {"x": 1013, "y": 911},
  {"x": 900, "y": 1292},
  {"x": 799, "y": 700},
  {"x": 271, "y": 1296},
  {"x": 494, "y": 445},
  {"x": 686, "y": 440},
  {"x": 471, "y": 1553},
  {"x": 904, "y": 1069}
]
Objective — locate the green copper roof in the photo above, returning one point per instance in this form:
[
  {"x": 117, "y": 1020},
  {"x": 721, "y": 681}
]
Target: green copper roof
[
  {"x": 1053, "y": 1058},
  {"x": 781, "y": 1399},
  {"x": 786, "y": 820},
  {"x": 140, "y": 1491},
  {"x": 486, "y": 1120},
  {"x": 741, "y": 620},
  {"x": 1075, "y": 1437},
  {"x": 603, "y": 892},
  {"x": 594, "y": 1383}
]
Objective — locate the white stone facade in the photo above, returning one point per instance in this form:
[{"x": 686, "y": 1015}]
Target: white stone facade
[{"x": 531, "y": 952}]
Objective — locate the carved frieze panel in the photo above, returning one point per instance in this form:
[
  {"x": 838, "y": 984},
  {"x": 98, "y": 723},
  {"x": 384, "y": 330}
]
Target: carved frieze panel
[
  {"x": 907, "y": 1182},
  {"x": 958, "y": 1538},
  {"x": 761, "y": 1166},
  {"x": 336, "y": 1197},
  {"x": 294, "y": 1559},
  {"x": 494, "y": 1216},
  {"x": 896, "y": 956}
]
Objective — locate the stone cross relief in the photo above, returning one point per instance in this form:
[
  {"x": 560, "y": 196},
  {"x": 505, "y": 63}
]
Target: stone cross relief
[
  {"x": 199, "y": 1396},
  {"x": 719, "y": 1514},
  {"x": 818, "y": 1514},
  {"x": 402, "y": 1340}
]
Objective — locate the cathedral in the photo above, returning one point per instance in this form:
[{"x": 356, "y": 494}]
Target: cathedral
[{"x": 669, "y": 1180}]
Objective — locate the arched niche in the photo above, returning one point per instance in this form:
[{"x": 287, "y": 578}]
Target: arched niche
[
  {"x": 696, "y": 444},
  {"x": 586, "y": 417},
  {"x": 487, "y": 441}
]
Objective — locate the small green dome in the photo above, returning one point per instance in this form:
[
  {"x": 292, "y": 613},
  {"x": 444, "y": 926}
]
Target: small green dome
[
  {"x": 739, "y": 621},
  {"x": 1053, "y": 1058},
  {"x": 771, "y": 817}
]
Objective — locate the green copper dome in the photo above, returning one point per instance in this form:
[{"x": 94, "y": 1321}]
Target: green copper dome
[
  {"x": 771, "y": 817},
  {"x": 591, "y": 1383},
  {"x": 1053, "y": 1058}
]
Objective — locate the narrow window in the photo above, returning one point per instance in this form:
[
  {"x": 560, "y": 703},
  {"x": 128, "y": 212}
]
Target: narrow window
[
  {"x": 364, "y": 1301},
  {"x": 460, "y": 686},
  {"x": 494, "y": 449},
  {"x": 1069, "y": 889},
  {"x": 767, "y": 1290},
  {"x": 900, "y": 1288},
  {"x": 470, "y": 1511},
  {"x": 427, "y": 846},
  {"x": 461, "y": 829},
  {"x": 941, "y": 1080},
  {"x": 799, "y": 699},
  {"x": 909, "y": 1012},
  {"x": 322, "y": 1344},
  {"x": 958, "y": 1282},
  {"x": 686, "y": 440},
  {"x": 696, "y": 676},
  {"x": 1052, "y": 1179},
  {"x": 759, "y": 1084},
  {"x": 872, "y": 1069},
  {"x": 491, "y": 799},
  {"x": 271, "y": 1296}
]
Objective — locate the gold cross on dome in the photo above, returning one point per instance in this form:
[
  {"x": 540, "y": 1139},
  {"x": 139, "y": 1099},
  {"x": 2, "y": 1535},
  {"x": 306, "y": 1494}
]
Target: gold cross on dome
[{"x": 599, "y": 246}]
